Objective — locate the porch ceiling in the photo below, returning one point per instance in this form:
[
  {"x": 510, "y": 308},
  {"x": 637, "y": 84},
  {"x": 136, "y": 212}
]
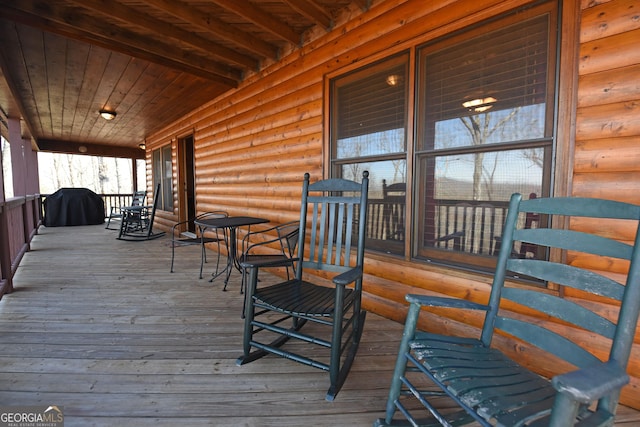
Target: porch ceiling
[{"x": 150, "y": 61}]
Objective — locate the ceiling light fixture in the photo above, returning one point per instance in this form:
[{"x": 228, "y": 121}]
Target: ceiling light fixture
[
  {"x": 108, "y": 115},
  {"x": 479, "y": 105},
  {"x": 142, "y": 146}
]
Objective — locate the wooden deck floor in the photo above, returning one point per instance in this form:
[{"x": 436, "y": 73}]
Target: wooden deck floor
[{"x": 101, "y": 328}]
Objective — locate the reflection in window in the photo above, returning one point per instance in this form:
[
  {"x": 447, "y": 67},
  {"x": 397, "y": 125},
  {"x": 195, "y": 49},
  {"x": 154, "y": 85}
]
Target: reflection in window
[
  {"x": 6, "y": 168},
  {"x": 163, "y": 174},
  {"x": 486, "y": 133},
  {"x": 369, "y": 122}
]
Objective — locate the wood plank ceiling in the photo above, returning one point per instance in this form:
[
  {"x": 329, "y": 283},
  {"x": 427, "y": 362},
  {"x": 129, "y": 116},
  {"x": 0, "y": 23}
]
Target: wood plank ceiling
[{"x": 150, "y": 61}]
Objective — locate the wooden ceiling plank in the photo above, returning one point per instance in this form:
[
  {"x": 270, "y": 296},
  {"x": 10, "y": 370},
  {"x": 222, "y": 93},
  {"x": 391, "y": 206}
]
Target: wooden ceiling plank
[
  {"x": 55, "y": 52},
  {"x": 70, "y": 23},
  {"x": 132, "y": 16},
  {"x": 312, "y": 11},
  {"x": 215, "y": 26},
  {"x": 262, "y": 19},
  {"x": 86, "y": 113},
  {"x": 19, "y": 98},
  {"x": 35, "y": 85},
  {"x": 76, "y": 65}
]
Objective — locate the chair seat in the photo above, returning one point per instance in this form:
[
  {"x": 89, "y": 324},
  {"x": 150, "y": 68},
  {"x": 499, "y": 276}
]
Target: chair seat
[
  {"x": 301, "y": 298},
  {"x": 484, "y": 379},
  {"x": 194, "y": 241}
]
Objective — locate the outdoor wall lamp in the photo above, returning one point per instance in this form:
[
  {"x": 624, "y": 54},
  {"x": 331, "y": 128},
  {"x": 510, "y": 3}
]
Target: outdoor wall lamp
[{"x": 108, "y": 115}]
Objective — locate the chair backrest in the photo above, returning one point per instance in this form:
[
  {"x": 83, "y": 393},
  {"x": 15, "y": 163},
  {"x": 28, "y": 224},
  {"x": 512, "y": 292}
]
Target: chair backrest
[
  {"x": 288, "y": 235},
  {"x": 138, "y": 198},
  {"x": 152, "y": 216},
  {"x": 575, "y": 276},
  {"x": 338, "y": 217},
  {"x": 394, "y": 198}
]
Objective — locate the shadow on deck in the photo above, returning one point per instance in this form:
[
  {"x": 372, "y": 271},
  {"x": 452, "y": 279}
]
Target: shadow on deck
[{"x": 100, "y": 327}]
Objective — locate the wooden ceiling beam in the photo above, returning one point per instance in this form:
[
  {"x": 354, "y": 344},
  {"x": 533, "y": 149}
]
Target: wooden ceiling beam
[
  {"x": 70, "y": 147},
  {"x": 261, "y": 19},
  {"x": 132, "y": 16},
  {"x": 215, "y": 26},
  {"x": 312, "y": 11},
  {"x": 69, "y": 23}
]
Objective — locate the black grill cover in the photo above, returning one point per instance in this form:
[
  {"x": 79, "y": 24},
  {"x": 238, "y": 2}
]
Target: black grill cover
[{"x": 73, "y": 206}]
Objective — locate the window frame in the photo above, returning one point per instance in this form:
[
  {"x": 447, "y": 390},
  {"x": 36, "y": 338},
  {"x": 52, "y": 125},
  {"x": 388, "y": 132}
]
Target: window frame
[
  {"x": 162, "y": 169},
  {"x": 414, "y": 48}
]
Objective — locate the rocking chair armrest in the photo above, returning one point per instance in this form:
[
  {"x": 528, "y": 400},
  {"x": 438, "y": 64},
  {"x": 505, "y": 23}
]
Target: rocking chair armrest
[
  {"x": 589, "y": 384},
  {"x": 430, "y": 301},
  {"x": 349, "y": 276}
]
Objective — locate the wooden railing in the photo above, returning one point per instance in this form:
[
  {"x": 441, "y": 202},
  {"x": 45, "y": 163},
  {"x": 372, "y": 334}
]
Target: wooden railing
[
  {"x": 20, "y": 218},
  {"x": 110, "y": 200},
  {"x": 466, "y": 226}
]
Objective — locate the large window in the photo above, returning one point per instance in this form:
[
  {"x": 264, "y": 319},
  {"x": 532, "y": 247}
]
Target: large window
[
  {"x": 369, "y": 131},
  {"x": 163, "y": 173},
  {"x": 484, "y": 128}
]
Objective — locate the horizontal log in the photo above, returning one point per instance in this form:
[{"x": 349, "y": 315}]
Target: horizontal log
[
  {"x": 608, "y": 121},
  {"x": 622, "y": 186},
  {"x": 608, "y": 19},
  {"x": 292, "y": 130},
  {"x": 610, "y": 86},
  {"x": 610, "y": 228},
  {"x": 607, "y": 155},
  {"x": 616, "y": 51}
]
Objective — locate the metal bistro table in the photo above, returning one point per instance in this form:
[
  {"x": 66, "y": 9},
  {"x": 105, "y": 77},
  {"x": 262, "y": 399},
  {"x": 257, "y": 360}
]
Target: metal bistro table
[{"x": 230, "y": 223}]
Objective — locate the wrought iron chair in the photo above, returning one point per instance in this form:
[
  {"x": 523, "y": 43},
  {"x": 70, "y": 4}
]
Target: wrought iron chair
[
  {"x": 180, "y": 238},
  {"x": 137, "y": 221},
  {"x": 256, "y": 252},
  {"x": 336, "y": 225},
  {"x": 116, "y": 211}
]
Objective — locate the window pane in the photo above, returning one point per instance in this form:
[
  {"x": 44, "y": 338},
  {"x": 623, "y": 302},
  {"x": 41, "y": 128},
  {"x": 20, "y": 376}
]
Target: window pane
[
  {"x": 484, "y": 132},
  {"x": 7, "y": 168},
  {"x": 387, "y": 202},
  {"x": 514, "y": 124},
  {"x": 488, "y": 89},
  {"x": 370, "y": 110},
  {"x": 167, "y": 182},
  {"x": 372, "y": 144},
  {"x": 466, "y": 204}
]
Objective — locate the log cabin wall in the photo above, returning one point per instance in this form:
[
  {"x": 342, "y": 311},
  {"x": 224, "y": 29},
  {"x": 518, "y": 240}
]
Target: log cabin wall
[{"x": 253, "y": 145}]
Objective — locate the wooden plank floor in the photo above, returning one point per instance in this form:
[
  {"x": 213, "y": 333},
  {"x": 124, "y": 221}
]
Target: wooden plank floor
[{"x": 100, "y": 327}]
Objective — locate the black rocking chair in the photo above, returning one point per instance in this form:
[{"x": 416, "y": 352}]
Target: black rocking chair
[
  {"x": 137, "y": 221},
  {"x": 336, "y": 225}
]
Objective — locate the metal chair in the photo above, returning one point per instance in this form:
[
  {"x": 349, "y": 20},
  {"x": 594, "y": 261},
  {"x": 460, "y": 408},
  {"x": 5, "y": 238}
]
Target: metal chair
[
  {"x": 260, "y": 253},
  {"x": 336, "y": 225},
  {"x": 116, "y": 211},
  {"x": 258, "y": 248},
  {"x": 181, "y": 238}
]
